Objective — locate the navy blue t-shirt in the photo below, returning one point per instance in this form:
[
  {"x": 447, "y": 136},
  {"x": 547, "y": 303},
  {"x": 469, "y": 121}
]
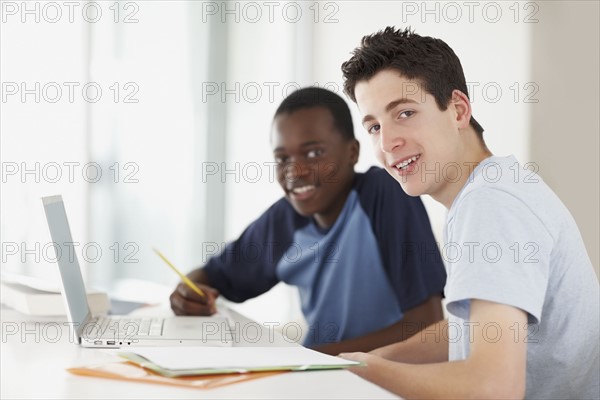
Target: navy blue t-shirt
[{"x": 378, "y": 259}]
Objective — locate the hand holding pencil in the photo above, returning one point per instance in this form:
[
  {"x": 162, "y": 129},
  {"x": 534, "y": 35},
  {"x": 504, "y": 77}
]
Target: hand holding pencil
[{"x": 191, "y": 296}]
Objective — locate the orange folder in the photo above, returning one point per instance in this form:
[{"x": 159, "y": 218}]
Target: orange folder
[{"x": 124, "y": 370}]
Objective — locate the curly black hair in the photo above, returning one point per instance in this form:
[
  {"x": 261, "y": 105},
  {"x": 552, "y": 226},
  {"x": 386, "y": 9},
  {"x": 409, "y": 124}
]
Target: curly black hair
[{"x": 310, "y": 97}]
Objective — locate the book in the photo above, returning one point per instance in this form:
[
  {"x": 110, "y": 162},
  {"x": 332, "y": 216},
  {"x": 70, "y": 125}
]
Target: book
[
  {"x": 45, "y": 302},
  {"x": 194, "y": 361}
]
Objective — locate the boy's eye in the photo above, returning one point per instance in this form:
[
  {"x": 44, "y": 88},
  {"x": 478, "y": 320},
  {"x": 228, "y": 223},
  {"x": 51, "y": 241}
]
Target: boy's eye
[
  {"x": 280, "y": 159},
  {"x": 314, "y": 153},
  {"x": 373, "y": 129},
  {"x": 405, "y": 114}
]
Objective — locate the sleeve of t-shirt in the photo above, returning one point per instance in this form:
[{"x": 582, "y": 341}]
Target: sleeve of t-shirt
[
  {"x": 246, "y": 267},
  {"x": 497, "y": 250},
  {"x": 409, "y": 251}
]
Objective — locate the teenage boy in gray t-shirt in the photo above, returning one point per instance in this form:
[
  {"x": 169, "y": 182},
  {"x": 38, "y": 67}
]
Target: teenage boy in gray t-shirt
[{"x": 522, "y": 296}]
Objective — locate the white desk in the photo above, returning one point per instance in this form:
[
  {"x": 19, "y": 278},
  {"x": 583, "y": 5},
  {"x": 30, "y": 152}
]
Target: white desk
[{"x": 34, "y": 359}]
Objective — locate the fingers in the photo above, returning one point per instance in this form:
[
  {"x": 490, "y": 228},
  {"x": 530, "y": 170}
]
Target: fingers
[
  {"x": 347, "y": 356},
  {"x": 358, "y": 356},
  {"x": 360, "y": 369},
  {"x": 187, "y": 292},
  {"x": 184, "y": 301}
]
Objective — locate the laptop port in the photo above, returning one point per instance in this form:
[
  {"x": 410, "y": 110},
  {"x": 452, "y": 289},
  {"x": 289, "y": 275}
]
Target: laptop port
[{"x": 110, "y": 342}]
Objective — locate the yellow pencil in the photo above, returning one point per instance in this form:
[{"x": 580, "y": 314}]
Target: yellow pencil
[{"x": 184, "y": 278}]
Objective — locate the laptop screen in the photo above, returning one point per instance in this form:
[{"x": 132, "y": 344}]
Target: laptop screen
[{"x": 68, "y": 265}]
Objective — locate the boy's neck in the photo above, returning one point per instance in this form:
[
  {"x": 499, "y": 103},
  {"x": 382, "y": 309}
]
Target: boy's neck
[
  {"x": 474, "y": 154},
  {"x": 327, "y": 219}
]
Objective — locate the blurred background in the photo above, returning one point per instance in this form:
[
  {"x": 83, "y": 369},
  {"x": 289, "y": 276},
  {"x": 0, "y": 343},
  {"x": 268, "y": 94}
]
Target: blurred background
[{"x": 152, "y": 118}]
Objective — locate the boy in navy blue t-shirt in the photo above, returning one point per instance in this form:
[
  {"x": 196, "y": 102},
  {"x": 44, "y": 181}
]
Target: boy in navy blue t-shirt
[{"x": 360, "y": 251}]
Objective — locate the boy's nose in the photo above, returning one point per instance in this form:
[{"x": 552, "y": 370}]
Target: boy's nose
[
  {"x": 295, "y": 170},
  {"x": 389, "y": 140}
]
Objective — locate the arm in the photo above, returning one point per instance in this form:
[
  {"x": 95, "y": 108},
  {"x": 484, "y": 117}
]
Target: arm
[
  {"x": 234, "y": 275},
  {"x": 494, "y": 369},
  {"x": 429, "y": 346},
  {"x": 414, "y": 320}
]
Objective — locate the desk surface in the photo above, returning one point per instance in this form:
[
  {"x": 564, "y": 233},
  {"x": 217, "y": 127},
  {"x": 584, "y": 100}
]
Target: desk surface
[{"x": 35, "y": 353}]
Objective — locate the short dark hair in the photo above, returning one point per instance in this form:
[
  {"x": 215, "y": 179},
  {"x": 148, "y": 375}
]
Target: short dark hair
[
  {"x": 428, "y": 60},
  {"x": 310, "y": 97}
]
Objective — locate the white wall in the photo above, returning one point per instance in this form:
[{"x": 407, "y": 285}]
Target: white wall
[
  {"x": 43, "y": 136},
  {"x": 565, "y": 130}
]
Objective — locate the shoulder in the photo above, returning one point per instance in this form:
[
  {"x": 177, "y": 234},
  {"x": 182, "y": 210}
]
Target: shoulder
[
  {"x": 281, "y": 207},
  {"x": 378, "y": 190},
  {"x": 495, "y": 186},
  {"x": 280, "y": 216},
  {"x": 393, "y": 213},
  {"x": 377, "y": 182},
  {"x": 499, "y": 211},
  {"x": 372, "y": 177},
  {"x": 491, "y": 200}
]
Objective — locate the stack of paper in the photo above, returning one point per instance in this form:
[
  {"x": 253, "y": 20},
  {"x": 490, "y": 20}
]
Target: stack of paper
[
  {"x": 188, "y": 361},
  {"x": 31, "y": 297}
]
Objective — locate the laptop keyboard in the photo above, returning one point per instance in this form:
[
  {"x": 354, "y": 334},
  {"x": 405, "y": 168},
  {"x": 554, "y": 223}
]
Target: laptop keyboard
[{"x": 130, "y": 326}]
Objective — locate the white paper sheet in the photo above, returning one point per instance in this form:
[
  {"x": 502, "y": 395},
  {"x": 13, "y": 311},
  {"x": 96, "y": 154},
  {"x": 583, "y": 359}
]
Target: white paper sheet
[{"x": 175, "y": 358}]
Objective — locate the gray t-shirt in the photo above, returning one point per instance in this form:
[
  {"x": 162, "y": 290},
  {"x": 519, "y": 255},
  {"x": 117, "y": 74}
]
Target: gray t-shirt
[{"x": 510, "y": 240}]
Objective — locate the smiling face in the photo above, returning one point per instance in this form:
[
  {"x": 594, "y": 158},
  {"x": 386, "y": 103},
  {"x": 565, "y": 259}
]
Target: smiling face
[
  {"x": 427, "y": 150},
  {"x": 315, "y": 163}
]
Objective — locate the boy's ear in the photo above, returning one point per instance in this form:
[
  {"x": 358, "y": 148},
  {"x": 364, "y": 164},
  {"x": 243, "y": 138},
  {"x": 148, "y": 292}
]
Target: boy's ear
[
  {"x": 462, "y": 107},
  {"x": 354, "y": 151}
]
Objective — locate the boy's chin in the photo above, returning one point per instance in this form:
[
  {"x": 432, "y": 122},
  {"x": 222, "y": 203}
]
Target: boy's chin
[
  {"x": 410, "y": 188},
  {"x": 409, "y": 183},
  {"x": 413, "y": 191}
]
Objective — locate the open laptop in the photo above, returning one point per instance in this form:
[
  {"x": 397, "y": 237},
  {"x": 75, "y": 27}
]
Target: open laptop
[{"x": 121, "y": 331}]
